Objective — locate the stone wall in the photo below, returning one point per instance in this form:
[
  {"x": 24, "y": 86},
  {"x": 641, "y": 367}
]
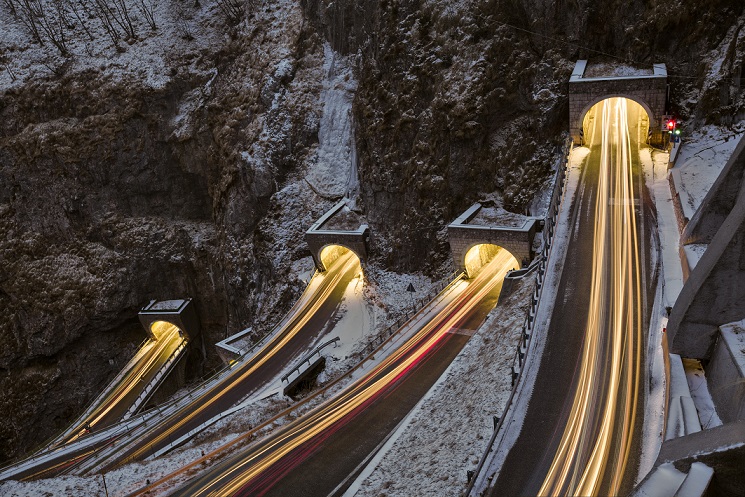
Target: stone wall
[
  {"x": 648, "y": 91},
  {"x": 518, "y": 241},
  {"x": 356, "y": 241}
]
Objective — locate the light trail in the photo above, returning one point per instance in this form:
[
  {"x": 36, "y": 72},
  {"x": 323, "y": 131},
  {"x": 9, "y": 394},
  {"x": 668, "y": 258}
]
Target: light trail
[
  {"x": 145, "y": 366},
  {"x": 603, "y": 411},
  {"x": 247, "y": 474},
  {"x": 318, "y": 291}
]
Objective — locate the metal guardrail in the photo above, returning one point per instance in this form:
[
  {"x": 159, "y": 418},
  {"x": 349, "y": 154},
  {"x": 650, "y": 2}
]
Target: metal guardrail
[
  {"x": 309, "y": 356},
  {"x": 518, "y": 362},
  {"x": 153, "y": 385},
  {"x": 419, "y": 304}
]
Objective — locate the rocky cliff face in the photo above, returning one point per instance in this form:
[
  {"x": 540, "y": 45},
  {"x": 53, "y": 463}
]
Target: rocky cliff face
[
  {"x": 463, "y": 100},
  {"x": 121, "y": 183}
]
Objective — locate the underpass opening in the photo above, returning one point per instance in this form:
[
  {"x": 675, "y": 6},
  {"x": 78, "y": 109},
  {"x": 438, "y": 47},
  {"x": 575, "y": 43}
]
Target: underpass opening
[
  {"x": 638, "y": 113},
  {"x": 161, "y": 329},
  {"x": 332, "y": 253},
  {"x": 481, "y": 254}
]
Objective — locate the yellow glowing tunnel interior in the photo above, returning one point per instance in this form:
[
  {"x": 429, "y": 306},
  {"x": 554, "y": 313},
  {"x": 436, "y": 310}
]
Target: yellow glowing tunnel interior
[
  {"x": 332, "y": 253},
  {"x": 638, "y": 120},
  {"x": 479, "y": 256},
  {"x": 161, "y": 329}
]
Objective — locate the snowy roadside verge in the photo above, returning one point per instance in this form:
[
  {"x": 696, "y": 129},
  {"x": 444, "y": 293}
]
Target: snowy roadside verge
[
  {"x": 513, "y": 417},
  {"x": 448, "y": 430}
]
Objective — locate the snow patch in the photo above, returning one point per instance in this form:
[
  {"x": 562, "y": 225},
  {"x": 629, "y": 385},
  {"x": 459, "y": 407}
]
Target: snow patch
[
  {"x": 694, "y": 252},
  {"x": 702, "y": 157},
  {"x": 333, "y": 173},
  {"x": 699, "y": 388}
]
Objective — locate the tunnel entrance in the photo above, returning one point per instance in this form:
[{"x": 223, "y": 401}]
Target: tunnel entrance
[
  {"x": 637, "y": 117},
  {"x": 594, "y": 81},
  {"x": 482, "y": 254},
  {"x": 331, "y": 253},
  {"x": 161, "y": 329}
]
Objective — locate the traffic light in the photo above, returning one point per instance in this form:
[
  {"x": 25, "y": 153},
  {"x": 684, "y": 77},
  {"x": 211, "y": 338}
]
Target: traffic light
[{"x": 670, "y": 125}]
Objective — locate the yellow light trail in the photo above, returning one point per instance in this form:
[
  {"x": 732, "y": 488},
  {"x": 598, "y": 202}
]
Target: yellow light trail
[
  {"x": 313, "y": 300},
  {"x": 167, "y": 340},
  {"x": 603, "y": 411},
  {"x": 303, "y": 430}
]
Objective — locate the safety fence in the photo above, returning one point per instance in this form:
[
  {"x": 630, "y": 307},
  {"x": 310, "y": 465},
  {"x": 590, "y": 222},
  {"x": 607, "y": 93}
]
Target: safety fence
[
  {"x": 526, "y": 333},
  {"x": 380, "y": 337},
  {"x": 153, "y": 385}
]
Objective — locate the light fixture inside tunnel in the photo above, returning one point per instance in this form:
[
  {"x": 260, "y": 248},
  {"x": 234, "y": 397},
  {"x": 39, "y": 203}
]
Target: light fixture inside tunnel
[
  {"x": 638, "y": 120},
  {"x": 480, "y": 255},
  {"x": 162, "y": 329}
]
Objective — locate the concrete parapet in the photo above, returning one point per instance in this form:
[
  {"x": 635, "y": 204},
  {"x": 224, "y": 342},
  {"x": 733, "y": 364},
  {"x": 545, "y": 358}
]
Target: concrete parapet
[
  {"x": 325, "y": 232},
  {"x": 518, "y": 239},
  {"x": 714, "y": 293},
  {"x": 721, "y": 448},
  {"x": 726, "y": 373},
  {"x": 232, "y": 348},
  {"x": 648, "y": 90}
]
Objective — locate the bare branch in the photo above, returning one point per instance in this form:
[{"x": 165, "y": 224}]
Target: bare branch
[
  {"x": 233, "y": 9},
  {"x": 147, "y": 8}
]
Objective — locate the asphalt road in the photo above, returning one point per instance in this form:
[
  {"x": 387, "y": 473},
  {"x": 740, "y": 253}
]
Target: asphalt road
[
  {"x": 320, "y": 453},
  {"x": 553, "y": 401},
  {"x": 294, "y": 339}
]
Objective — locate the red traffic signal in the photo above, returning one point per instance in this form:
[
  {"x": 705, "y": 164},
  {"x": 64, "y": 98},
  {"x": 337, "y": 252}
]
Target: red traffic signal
[{"x": 671, "y": 124}]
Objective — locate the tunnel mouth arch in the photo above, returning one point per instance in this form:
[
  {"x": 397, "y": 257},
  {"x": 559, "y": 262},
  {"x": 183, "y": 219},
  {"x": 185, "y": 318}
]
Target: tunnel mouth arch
[
  {"x": 480, "y": 254},
  {"x": 633, "y": 103},
  {"x": 161, "y": 329},
  {"x": 329, "y": 254}
]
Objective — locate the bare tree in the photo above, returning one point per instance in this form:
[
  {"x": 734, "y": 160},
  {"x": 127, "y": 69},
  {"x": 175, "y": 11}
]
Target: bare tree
[
  {"x": 147, "y": 9},
  {"x": 11, "y": 6},
  {"x": 124, "y": 20},
  {"x": 233, "y": 9},
  {"x": 113, "y": 15},
  {"x": 183, "y": 28},
  {"x": 28, "y": 16},
  {"x": 5, "y": 61},
  {"x": 79, "y": 10},
  {"x": 54, "y": 28}
]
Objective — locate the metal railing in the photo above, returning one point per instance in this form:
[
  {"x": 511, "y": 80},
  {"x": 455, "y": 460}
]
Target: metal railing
[
  {"x": 520, "y": 357},
  {"x": 153, "y": 385},
  {"x": 408, "y": 314}
]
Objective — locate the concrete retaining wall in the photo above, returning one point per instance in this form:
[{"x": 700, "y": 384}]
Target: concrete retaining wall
[{"x": 726, "y": 376}]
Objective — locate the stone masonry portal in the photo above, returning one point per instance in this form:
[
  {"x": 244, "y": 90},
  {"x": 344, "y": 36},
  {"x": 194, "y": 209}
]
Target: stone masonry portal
[{"x": 648, "y": 88}]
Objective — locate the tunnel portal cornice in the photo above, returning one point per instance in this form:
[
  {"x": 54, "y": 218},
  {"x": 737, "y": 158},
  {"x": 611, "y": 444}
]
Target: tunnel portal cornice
[
  {"x": 338, "y": 226},
  {"x": 516, "y": 236},
  {"x": 589, "y": 85},
  {"x": 179, "y": 312}
]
